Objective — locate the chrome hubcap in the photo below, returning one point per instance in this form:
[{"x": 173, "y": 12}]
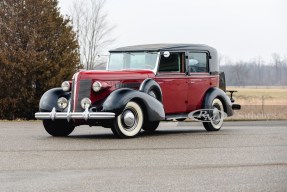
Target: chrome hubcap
[{"x": 128, "y": 118}]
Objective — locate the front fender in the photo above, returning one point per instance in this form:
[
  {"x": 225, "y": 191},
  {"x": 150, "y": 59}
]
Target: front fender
[
  {"x": 213, "y": 93},
  {"x": 118, "y": 99},
  {"x": 49, "y": 99}
]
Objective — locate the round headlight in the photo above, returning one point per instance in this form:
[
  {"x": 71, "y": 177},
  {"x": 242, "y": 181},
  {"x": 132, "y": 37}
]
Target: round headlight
[
  {"x": 97, "y": 86},
  {"x": 62, "y": 102},
  {"x": 66, "y": 86},
  {"x": 86, "y": 103}
]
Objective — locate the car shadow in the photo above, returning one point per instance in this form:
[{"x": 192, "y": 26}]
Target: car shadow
[
  {"x": 172, "y": 132},
  {"x": 93, "y": 136},
  {"x": 157, "y": 133}
]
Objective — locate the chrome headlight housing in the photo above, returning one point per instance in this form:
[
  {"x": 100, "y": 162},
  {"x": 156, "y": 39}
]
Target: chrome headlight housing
[
  {"x": 97, "y": 86},
  {"x": 66, "y": 86},
  {"x": 62, "y": 103},
  {"x": 86, "y": 103}
]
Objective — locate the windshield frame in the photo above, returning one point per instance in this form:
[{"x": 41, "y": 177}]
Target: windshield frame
[{"x": 154, "y": 70}]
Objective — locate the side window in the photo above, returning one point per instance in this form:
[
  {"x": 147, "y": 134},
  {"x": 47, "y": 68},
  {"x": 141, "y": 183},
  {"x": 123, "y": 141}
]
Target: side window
[
  {"x": 197, "y": 62},
  {"x": 173, "y": 63}
]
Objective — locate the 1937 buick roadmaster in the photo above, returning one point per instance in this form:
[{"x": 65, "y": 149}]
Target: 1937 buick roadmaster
[{"x": 141, "y": 86}]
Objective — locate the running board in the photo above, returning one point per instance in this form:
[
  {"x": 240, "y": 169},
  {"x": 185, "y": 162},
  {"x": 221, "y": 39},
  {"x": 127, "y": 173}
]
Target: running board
[{"x": 176, "y": 116}]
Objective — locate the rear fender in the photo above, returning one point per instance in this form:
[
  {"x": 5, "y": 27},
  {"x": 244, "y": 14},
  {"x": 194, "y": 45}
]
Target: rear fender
[{"x": 213, "y": 93}]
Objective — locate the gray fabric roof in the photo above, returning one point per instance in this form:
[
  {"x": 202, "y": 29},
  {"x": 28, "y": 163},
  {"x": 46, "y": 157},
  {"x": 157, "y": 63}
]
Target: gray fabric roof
[{"x": 162, "y": 47}]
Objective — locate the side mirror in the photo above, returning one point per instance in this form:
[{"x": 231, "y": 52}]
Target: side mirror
[{"x": 166, "y": 54}]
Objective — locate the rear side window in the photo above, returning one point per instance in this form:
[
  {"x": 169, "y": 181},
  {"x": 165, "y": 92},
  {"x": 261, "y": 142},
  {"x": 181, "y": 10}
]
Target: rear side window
[{"x": 197, "y": 62}]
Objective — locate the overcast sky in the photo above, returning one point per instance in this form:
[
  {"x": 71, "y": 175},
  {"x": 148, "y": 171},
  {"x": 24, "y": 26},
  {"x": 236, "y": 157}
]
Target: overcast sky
[{"x": 238, "y": 29}]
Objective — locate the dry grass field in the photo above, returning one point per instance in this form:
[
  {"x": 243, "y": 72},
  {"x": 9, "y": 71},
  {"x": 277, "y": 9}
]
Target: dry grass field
[{"x": 260, "y": 103}]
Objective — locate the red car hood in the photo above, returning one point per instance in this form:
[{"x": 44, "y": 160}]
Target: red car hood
[{"x": 115, "y": 75}]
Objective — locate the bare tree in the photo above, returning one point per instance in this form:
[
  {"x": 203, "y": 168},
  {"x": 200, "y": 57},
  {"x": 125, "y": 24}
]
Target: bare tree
[
  {"x": 93, "y": 30},
  {"x": 257, "y": 72},
  {"x": 258, "y": 68},
  {"x": 277, "y": 63}
]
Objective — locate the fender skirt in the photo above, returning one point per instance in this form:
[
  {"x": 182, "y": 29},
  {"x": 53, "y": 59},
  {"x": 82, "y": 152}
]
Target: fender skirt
[
  {"x": 213, "y": 93},
  {"x": 49, "y": 99},
  {"x": 118, "y": 99}
]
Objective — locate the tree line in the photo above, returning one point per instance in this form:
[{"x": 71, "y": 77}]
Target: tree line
[{"x": 257, "y": 72}]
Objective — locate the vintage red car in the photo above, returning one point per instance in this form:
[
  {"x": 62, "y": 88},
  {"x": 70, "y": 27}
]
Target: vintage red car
[{"x": 141, "y": 86}]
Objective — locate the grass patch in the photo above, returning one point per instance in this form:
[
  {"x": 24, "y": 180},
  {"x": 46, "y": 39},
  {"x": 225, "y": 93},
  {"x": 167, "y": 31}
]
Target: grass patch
[
  {"x": 258, "y": 93},
  {"x": 260, "y": 103}
]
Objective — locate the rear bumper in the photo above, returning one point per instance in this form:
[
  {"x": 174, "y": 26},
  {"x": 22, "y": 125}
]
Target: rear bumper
[
  {"x": 236, "y": 106},
  {"x": 74, "y": 115}
]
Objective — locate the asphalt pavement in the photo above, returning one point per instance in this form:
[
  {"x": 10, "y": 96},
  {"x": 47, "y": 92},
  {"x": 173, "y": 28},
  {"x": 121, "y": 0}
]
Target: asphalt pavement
[{"x": 243, "y": 156}]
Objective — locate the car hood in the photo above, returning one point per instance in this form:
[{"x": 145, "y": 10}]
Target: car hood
[{"x": 115, "y": 75}]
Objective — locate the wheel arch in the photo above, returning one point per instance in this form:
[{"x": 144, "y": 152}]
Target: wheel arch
[
  {"x": 150, "y": 84},
  {"x": 118, "y": 99},
  {"x": 213, "y": 93},
  {"x": 49, "y": 99}
]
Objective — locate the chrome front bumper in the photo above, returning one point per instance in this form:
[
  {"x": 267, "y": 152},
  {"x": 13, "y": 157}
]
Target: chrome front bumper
[{"x": 86, "y": 115}]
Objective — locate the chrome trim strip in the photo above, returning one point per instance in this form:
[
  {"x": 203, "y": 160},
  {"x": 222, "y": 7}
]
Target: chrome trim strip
[
  {"x": 69, "y": 111},
  {"x": 74, "y": 115},
  {"x": 177, "y": 116},
  {"x": 75, "y": 91}
]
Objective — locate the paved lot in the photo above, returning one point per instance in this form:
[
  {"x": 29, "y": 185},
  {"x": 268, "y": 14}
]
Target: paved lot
[{"x": 243, "y": 156}]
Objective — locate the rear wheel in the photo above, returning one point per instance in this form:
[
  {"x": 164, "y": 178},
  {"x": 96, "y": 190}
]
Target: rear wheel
[
  {"x": 129, "y": 123},
  {"x": 153, "y": 94},
  {"x": 152, "y": 88},
  {"x": 58, "y": 128},
  {"x": 217, "y": 114}
]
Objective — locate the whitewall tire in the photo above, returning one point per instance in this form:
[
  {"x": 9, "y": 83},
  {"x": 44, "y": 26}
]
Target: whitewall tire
[
  {"x": 129, "y": 123},
  {"x": 218, "y": 115}
]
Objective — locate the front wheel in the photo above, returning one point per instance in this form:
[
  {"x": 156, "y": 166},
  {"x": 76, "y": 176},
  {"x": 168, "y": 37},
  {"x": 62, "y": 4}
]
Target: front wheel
[
  {"x": 150, "y": 126},
  {"x": 129, "y": 123},
  {"x": 58, "y": 128},
  {"x": 217, "y": 114}
]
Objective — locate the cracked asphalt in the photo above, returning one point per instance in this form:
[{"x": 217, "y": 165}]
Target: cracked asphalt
[{"x": 243, "y": 156}]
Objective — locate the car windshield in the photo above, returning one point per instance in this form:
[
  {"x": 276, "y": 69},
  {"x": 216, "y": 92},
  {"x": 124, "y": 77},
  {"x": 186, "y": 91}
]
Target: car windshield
[{"x": 132, "y": 60}]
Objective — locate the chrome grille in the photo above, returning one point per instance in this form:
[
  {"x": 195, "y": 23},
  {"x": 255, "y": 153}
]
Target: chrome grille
[{"x": 83, "y": 91}]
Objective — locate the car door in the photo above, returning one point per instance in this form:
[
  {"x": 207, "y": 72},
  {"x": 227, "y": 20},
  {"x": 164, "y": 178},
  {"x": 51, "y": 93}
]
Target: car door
[
  {"x": 198, "y": 80},
  {"x": 172, "y": 79}
]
